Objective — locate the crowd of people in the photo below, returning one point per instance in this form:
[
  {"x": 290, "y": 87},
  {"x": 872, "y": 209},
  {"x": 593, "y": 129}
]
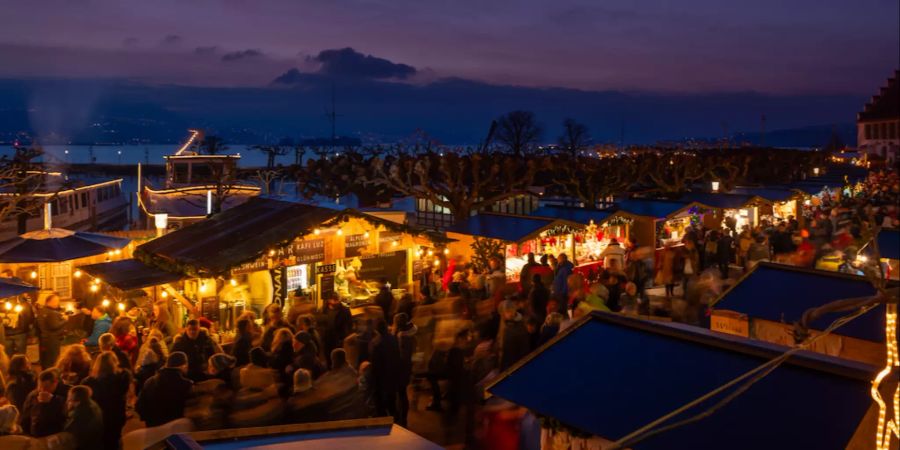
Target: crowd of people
[{"x": 463, "y": 327}]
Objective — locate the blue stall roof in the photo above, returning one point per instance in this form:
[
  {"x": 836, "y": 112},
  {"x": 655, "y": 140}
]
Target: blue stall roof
[
  {"x": 610, "y": 375},
  {"x": 772, "y": 194},
  {"x": 889, "y": 243},
  {"x": 505, "y": 227},
  {"x": 658, "y": 209},
  {"x": 782, "y": 293},
  {"x": 723, "y": 201},
  {"x": 573, "y": 214}
]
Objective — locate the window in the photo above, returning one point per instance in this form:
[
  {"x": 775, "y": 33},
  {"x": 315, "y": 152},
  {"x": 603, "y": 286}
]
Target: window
[
  {"x": 892, "y": 130},
  {"x": 180, "y": 173},
  {"x": 868, "y": 132},
  {"x": 84, "y": 199},
  {"x": 883, "y": 133},
  {"x": 64, "y": 205},
  {"x": 202, "y": 173},
  {"x": 54, "y": 207}
]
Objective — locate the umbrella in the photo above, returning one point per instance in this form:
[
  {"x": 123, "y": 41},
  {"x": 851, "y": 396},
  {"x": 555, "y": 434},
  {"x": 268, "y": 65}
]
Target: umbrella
[
  {"x": 55, "y": 245},
  {"x": 11, "y": 287}
]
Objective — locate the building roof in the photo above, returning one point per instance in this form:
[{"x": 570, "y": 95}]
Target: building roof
[
  {"x": 583, "y": 216},
  {"x": 130, "y": 274},
  {"x": 658, "y": 209},
  {"x": 783, "y": 293},
  {"x": 722, "y": 201},
  {"x": 772, "y": 194},
  {"x": 885, "y": 104},
  {"x": 610, "y": 375},
  {"x": 371, "y": 434},
  {"x": 244, "y": 233},
  {"x": 506, "y": 227}
]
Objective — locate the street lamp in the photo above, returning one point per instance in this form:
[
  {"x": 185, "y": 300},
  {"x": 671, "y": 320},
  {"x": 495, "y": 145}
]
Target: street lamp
[
  {"x": 161, "y": 222},
  {"x": 816, "y": 171},
  {"x": 715, "y": 186}
]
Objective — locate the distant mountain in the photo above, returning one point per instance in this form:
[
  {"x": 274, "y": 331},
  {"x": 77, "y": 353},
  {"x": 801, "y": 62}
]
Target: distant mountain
[
  {"x": 812, "y": 136},
  {"x": 452, "y": 111}
]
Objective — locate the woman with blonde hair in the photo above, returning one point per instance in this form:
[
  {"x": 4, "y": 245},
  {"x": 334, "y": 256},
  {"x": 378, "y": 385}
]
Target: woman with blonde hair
[
  {"x": 74, "y": 364},
  {"x": 110, "y": 385},
  {"x": 281, "y": 355}
]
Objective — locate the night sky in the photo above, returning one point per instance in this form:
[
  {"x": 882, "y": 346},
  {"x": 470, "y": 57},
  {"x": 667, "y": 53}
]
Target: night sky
[{"x": 689, "y": 46}]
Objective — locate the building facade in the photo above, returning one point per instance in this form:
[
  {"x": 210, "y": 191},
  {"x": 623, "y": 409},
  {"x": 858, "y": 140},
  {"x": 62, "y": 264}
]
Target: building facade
[{"x": 878, "y": 124}]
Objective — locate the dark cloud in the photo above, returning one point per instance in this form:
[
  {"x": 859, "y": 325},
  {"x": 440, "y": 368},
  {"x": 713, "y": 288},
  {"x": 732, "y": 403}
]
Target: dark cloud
[
  {"x": 208, "y": 50},
  {"x": 292, "y": 76},
  {"x": 242, "y": 54},
  {"x": 172, "y": 40},
  {"x": 348, "y": 62},
  {"x": 130, "y": 42}
]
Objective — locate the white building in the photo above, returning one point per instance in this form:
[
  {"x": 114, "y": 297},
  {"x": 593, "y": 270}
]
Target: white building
[{"x": 878, "y": 125}]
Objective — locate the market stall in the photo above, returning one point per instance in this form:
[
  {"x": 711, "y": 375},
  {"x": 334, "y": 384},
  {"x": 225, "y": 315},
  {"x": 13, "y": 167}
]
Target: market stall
[
  {"x": 601, "y": 227},
  {"x": 520, "y": 236},
  {"x": 293, "y": 254},
  {"x": 783, "y": 203},
  {"x": 660, "y": 222}
]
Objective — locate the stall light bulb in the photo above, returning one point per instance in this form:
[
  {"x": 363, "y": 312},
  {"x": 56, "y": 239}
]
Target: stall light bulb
[
  {"x": 437, "y": 263},
  {"x": 340, "y": 232},
  {"x": 430, "y": 252},
  {"x": 807, "y": 202},
  {"x": 233, "y": 282},
  {"x": 366, "y": 235},
  {"x": 94, "y": 288},
  {"x": 317, "y": 231},
  {"x": 8, "y": 306},
  {"x": 18, "y": 308},
  {"x": 33, "y": 274},
  {"x": 164, "y": 294},
  {"x": 271, "y": 252},
  {"x": 118, "y": 251},
  {"x": 394, "y": 244},
  {"x": 121, "y": 306},
  {"x": 202, "y": 287},
  {"x": 77, "y": 274},
  {"x": 105, "y": 302},
  {"x": 109, "y": 253},
  {"x": 446, "y": 251}
]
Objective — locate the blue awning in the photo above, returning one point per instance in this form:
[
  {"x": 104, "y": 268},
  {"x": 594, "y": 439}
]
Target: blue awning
[
  {"x": 889, "y": 243},
  {"x": 578, "y": 215},
  {"x": 504, "y": 227},
  {"x": 658, "y": 209},
  {"x": 611, "y": 375},
  {"x": 11, "y": 287},
  {"x": 723, "y": 201},
  {"x": 130, "y": 274},
  {"x": 782, "y": 293}
]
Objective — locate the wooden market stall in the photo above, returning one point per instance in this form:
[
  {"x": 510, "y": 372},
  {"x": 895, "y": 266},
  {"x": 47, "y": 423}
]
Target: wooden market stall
[
  {"x": 266, "y": 251},
  {"x": 657, "y": 222},
  {"x": 766, "y": 302}
]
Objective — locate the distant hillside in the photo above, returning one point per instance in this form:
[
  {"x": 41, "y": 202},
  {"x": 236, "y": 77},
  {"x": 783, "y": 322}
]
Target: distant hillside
[{"x": 812, "y": 136}]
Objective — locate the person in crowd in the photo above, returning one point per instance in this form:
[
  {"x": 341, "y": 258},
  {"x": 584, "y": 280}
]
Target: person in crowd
[
  {"x": 336, "y": 324},
  {"x": 724, "y": 250},
  {"x": 306, "y": 354},
  {"x": 108, "y": 344},
  {"x": 384, "y": 353},
  {"x": 525, "y": 276},
  {"x": 243, "y": 342},
  {"x": 196, "y": 344},
  {"x": 126, "y": 340},
  {"x": 257, "y": 374},
  {"x": 670, "y": 268},
  {"x": 84, "y": 420},
  {"x": 597, "y": 297},
  {"x": 281, "y": 355},
  {"x": 538, "y": 297},
  {"x": 745, "y": 239},
  {"x": 163, "y": 396},
  {"x": 20, "y": 381},
  {"x": 110, "y": 386},
  {"x": 162, "y": 320},
  {"x": 613, "y": 252},
  {"x": 628, "y": 300},
  {"x": 74, "y": 365},
  {"x": 274, "y": 321},
  {"x": 691, "y": 264},
  {"x": 514, "y": 342},
  {"x": 385, "y": 299},
  {"x": 51, "y": 323},
  {"x": 221, "y": 367},
  {"x": 304, "y": 405},
  {"x": 357, "y": 344},
  {"x": 560, "y": 280},
  {"x": 148, "y": 364},
  {"x": 758, "y": 251},
  {"x": 9, "y": 420},
  {"x": 44, "y": 411},
  {"x": 550, "y": 327},
  {"x": 102, "y": 324},
  {"x": 405, "y": 333},
  {"x": 17, "y": 326}
]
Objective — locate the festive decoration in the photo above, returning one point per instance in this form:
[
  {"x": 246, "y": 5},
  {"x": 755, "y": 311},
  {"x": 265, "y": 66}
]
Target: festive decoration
[{"x": 888, "y": 428}]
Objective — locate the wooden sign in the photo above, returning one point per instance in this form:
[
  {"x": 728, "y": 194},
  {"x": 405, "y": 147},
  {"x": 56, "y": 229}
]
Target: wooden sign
[
  {"x": 355, "y": 244},
  {"x": 308, "y": 251},
  {"x": 252, "y": 266},
  {"x": 387, "y": 239},
  {"x": 326, "y": 286},
  {"x": 209, "y": 308},
  {"x": 390, "y": 266},
  {"x": 729, "y": 323},
  {"x": 323, "y": 269}
]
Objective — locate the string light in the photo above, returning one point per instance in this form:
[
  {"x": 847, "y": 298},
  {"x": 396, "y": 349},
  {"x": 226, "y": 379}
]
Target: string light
[
  {"x": 118, "y": 251},
  {"x": 394, "y": 244},
  {"x": 437, "y": 263},
  {"x": 77, "y": 274},
  {"x": 164, "y": 294},
  {"x": 233, "y": 282},
  {"x": 94, "y": 288},
  {"x": 430, "y": 252},
  {"x": 271, "y": 252},
  {"x": 888, "y": 427},
  {"x": 446, "y": 251},
  {"x": 18, "y": 308},
  {"x": 317, "y": 231},
  {"x": 366, "y": 235},
  {"x": 121, "y": 306},
  {"x": 105, "y": 302},
  {"x": 340, "y": 232},
  {"x": 8, "y": 306},
  {"x": 33, "y": 274}
]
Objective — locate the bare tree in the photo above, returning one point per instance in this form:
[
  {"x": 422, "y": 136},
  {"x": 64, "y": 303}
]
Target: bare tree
[
  {"x": 21, "y": 179},
  {"x": 271, "y": 152},
  {"x": 519, "y": 132},
  {"x": 212, "y": 145},
  {"x": 575, "y": 137},
  {"x": 591, "y": 180}
]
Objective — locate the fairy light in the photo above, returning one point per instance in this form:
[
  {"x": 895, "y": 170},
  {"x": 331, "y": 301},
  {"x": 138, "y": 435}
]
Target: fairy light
[
  {"x": 164, "y": 294},
  {"x": 430, "y": 252},
  {"x": 118, "y": 251},
  {"x": 33, "y": 274},
  {"x": 446, "y": 251},
  {"x": 340, "y": 232},
  {"x": 121, "y": 306},
  {"x": 888, "y": 427},
  {"x": 105, "y": 302},
  {"x": 94, "y": 288},
  {"x": 9, "y": 306},
  {"x": 366, "y": 235},
  {"x": 437, "y": 263},
  {"x": 18, "y": 308},
  {"x": 317, "y": 231},
  {"x": 394, "y": 244},
  {"x": 271, "y": 252},
  {"x": 77, "y": 274},
  {"x": 233, "y": 282}
]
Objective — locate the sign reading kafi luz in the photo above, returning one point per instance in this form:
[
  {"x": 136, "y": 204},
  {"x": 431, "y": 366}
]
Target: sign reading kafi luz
[
  {"x": 355, "y": 244},
  {"x": 307, "y": 251}
]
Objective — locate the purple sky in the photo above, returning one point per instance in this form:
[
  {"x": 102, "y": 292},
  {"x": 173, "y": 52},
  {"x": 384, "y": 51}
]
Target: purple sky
[{"x": 776, "y": 46}]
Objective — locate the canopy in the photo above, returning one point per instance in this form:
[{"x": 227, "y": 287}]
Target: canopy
[
  {"x": 57, "y": 244},
  {"x": 772, "y": 194},
  {"x": 609, "y": 375},
  {"x": 130, "y": 274},
  {"x": 657, "y": 209},
  {"x": 583, "y": 216},
  {"x": 11, "y": 287},
  {"x": 508, "y": 228},
  {"x": 723, "y": 201},
  {"x": 782, "y": 293}
]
